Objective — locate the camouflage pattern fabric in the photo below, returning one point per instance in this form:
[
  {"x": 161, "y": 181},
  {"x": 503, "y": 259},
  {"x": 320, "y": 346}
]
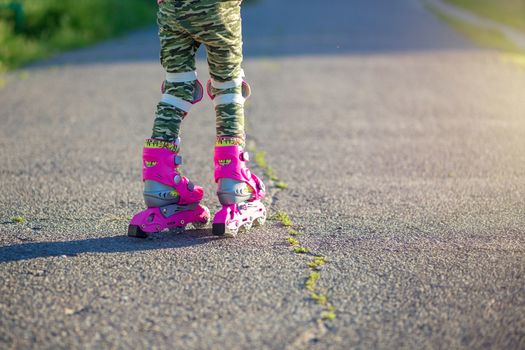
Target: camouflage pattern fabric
[
  {"x": 168, "y": 118},
  {"x": 183, "y": 26}
]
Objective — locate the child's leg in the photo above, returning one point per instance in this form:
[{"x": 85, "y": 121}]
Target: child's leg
[
  {"x": 217, "y": 24},
  {"x": 177, "y": 56},
  {"x": 172, "y": 199},
  {"x": 239, "y": 191}
]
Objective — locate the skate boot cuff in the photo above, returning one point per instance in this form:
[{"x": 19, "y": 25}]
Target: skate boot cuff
[
  {"x": 173, "y": 146},
  {"x": 221, "y": 141}
]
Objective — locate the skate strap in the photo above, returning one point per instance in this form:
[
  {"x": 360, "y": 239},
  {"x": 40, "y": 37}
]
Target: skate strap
[
  {"x": 176, "y": 102},
  {"x": 228, "y": 84},
  {"x": 228, "y": 98},
  {"x": 181, "y": 77}
]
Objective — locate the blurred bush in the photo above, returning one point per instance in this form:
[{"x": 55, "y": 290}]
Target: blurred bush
[
  {"x": 510, "y": 12},
  {"x": 42, "y": 27}
]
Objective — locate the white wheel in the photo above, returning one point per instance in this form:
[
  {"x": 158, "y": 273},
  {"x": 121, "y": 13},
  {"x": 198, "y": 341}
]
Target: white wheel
[
  {"x": 231, "y": 232},
  {"x": 260, "y": 220},
  {"x": 246, "y": 227}
]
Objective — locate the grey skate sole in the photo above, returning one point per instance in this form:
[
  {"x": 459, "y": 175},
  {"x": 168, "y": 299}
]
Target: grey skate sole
[{"x": 136, "y": 231}]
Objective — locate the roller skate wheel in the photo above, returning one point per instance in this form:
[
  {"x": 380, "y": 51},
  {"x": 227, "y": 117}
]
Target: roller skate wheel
[
  {"x": 222, "y": 230},
  {"x": 136, "y": 231},
  {"x": 199, "y": 225},
  {"x": 260, "y": 220},
  {"x": 218, "y": 229},
  {"x": 231, "y": 232},
  {"x": 246, "y": 227}
]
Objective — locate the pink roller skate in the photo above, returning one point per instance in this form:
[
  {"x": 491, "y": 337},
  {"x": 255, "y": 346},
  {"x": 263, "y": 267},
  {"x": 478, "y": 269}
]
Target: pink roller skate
[
  {"x": 239, "y": 191},
  {"x": 172, "y": 200}
]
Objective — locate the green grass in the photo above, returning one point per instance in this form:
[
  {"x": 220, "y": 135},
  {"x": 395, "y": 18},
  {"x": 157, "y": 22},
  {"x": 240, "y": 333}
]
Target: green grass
[
  {"x": 283, "y": 218},
  {"x": 509, "y": 12},
  {"x": 322, "y": 299},
  {"x": 317, "y": 262},
  {"x": 294, "y": 232},
  {"x": 312, "y": 280},
  {"x": 260, "y": 160},
  {"x": 329, "y": 314},
  {"x": 293, "y": 241},
  {"x": 50, "y": 26},
  {"x": 301, "y": 250},
  {"x": 18, "y": 219},
  {"x": 281, "y": 185},
  {"x": 484, "y": 37}
]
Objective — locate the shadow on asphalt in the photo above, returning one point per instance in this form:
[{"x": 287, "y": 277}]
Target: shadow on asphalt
[
  {"x": 113, "y": 244},
  {"x": 274, "y": 28}
]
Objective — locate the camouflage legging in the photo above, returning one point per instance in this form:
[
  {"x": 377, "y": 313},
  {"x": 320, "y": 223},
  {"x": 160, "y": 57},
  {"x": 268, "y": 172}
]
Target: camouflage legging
[{"x": 183, "y": 26}]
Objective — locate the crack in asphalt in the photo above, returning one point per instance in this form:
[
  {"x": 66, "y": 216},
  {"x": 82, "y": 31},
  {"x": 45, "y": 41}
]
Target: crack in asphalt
[{"x": 315, "y": 263}]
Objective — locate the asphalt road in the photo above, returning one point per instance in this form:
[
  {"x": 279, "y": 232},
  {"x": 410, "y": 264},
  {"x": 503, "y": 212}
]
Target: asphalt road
[{"x": 403, "y": 147}]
